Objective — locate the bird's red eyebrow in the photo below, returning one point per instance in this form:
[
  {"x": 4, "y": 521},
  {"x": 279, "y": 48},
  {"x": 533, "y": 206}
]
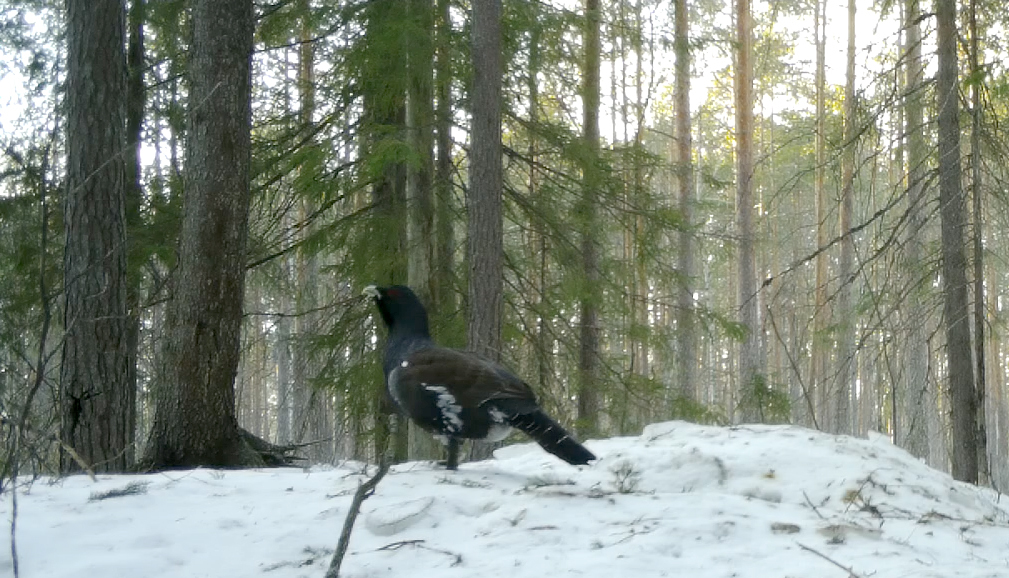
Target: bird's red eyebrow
[{"x": 392, "y": 292}]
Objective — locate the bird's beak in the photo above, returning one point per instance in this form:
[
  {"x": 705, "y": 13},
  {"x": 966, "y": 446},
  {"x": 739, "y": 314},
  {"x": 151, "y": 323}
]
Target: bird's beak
[{"x": 372, "y": 291}]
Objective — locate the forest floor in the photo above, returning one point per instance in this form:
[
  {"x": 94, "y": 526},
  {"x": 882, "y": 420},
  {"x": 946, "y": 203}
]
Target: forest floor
[{"x": 679, "y": 500}]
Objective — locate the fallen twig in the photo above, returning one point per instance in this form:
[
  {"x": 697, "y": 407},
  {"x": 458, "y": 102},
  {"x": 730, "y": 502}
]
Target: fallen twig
[
  {"x": 812, "y": 505},
  {"x": 851, "y": 573},
  {"x": 364, "y": 491},
  {"x": 421, "y": 544}
]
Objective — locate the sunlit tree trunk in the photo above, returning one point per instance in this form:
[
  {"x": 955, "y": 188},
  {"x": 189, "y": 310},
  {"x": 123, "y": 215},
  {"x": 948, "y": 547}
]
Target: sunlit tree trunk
[
  {"x": 747, "y": 302},
  {"x": 846, "y": 371},
  {"x": 820, "y": 349},
  {"x": 686, "y": 334}
]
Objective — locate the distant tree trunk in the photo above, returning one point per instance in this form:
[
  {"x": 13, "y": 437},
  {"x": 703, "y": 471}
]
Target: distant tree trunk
[
  {"x": 977, "y": 237},
  {"x": 916, "y": 423},
  {"x": 136, "y": 101},
  {"x": 822, "y": 417},
  {"x": 588, "y": 355},
  {"x": 283, "y": 360},
  {"x": 844, "y": 388},
  {"x": 421, "y": 203},
  {"x": 538, "y": 248},
  {"x": 952, "y": 213},
  {"x": 749, "y": 354},
  {"x": 686, "y": 333},
  {"x": 640, "y": 346},
  {"x": 420, "y": 128},
  {"x": 485, "y": 247},
  {"x": 384, "y": 101},
  {"x": 442, "y": 294},
  {"x": 98, "y": 396},
  {"x": 195, "y": 421}
]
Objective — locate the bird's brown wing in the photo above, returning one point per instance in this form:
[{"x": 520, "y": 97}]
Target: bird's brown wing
[{"x": 471, "y": 379}]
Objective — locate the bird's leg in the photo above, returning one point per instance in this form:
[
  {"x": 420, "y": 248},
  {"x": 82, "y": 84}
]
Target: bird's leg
[{"x": 453, "y": 453}]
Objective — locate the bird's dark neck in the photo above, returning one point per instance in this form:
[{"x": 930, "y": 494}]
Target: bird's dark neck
[{"x": 402, "y": 342}]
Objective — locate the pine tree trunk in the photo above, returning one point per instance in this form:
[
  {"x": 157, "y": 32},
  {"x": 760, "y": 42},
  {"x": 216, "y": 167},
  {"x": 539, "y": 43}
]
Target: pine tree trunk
[
  {"x": 822, "y": 417},
  {"x": 136, "y": 104},
  {"x": 485, "y": 243},
  {"x": 195, "y": 421},
  {"x": 686, "y": 333},
  {"x": 952, "y": 213},
  {"x": 977, "y": 238},
  {"x": 384, "y": 102},
  {"x": 844, "y": 389},
  {"x": 485, "y": 248},
  {"x": 588, "y": 336},
  {"x": 98, "y": 413},
  {"x": 916, "y": 401},
  {"x": 422, "y": 241},
  {"x": 749, "y": 354},
  {"x": 442, "y": 292}
]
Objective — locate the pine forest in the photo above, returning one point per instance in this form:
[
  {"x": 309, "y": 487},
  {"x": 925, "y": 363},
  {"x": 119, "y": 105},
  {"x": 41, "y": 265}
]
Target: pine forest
[{"x": 756, "y": 211}]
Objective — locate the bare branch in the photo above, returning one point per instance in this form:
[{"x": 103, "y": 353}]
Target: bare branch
[{"x": 364, "y": 491}]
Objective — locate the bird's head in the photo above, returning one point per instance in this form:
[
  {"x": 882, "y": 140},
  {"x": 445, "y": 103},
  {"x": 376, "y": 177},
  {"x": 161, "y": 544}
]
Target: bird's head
[{"x": 400, "y": 308}]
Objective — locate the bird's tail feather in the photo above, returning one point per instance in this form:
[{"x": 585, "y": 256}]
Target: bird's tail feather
[{"x": 554, "y": 438}]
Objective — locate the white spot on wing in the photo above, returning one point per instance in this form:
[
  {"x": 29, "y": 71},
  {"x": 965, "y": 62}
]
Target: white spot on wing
[
  {"x": 405, "y": 364},
  {"x": 450, "y": 410}
]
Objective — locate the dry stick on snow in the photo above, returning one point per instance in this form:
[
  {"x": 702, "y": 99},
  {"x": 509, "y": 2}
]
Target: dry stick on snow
[
  {"x": 364, "y": 491},
  {"x": 851, "y": 573},
  {"x": 420, "y": 544},
  {"x": 811, "y": 505}
]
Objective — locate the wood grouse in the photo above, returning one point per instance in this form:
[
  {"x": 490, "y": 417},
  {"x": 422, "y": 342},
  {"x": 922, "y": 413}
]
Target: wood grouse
[{"x": 457, "y": 394}]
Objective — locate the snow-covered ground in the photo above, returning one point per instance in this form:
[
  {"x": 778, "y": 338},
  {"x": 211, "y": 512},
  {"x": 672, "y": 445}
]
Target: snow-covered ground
[{"x": 680, "y": 500}]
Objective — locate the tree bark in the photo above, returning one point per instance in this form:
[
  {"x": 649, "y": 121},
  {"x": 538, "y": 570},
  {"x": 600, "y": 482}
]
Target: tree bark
[
  {"x": 686, "y": 333},
  {"x": 749, "y": 350},
  {"x": 420, "y": 129},
  {"x": 844, "y": 389},
  {"x": 819, "y": 352},
  {"x": 135, "y": 258},
  {"x": 916, "y": 422},
  {"x": 442, "y": 294},
  {"x": 195, "y": 421},
  {"x": 977, "y": 238},
  {"x": 952, "y": 214},
  {"x": 588, "y": 329},
  {"x": 97, "y": 394},
  {"x": 485, "y": 246},
  {"x": 384, "y": 88}
]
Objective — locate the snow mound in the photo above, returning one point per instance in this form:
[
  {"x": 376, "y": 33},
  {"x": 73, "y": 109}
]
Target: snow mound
[{"x": 678, "y": 500}]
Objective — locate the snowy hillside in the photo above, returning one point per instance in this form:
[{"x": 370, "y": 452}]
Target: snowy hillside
[{"x": 680, "y": 500}]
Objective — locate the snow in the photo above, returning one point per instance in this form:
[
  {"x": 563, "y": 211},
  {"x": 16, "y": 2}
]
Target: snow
[{"x": 678, "y": 500}]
